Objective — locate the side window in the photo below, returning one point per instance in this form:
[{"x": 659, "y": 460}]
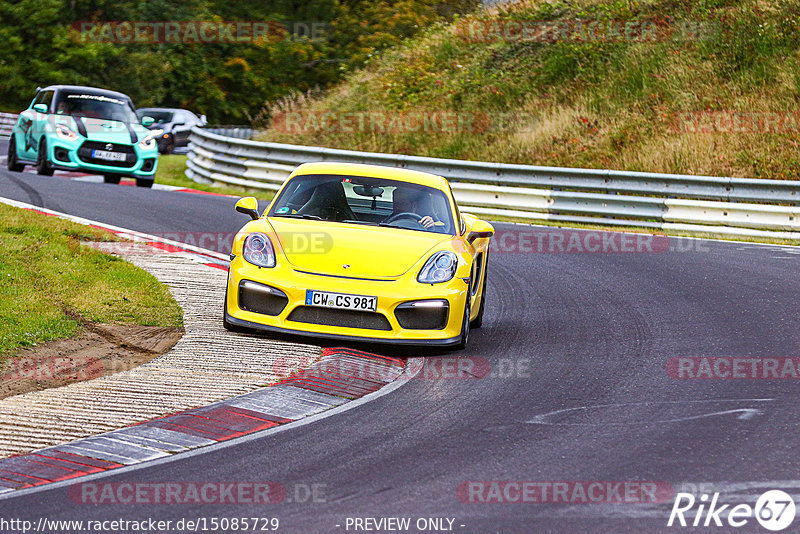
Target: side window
[
  {"x": 44, "y": 97},
  {"x": 37, "y": 99},
  {"x": 48, "y": 99}
]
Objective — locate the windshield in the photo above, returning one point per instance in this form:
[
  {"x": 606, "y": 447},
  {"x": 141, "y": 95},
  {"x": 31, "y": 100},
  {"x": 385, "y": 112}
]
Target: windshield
[
  {"x": 365, "y": 200},
  {"x": 95, "y": 107},
  {"x": 160, "y": 117}
]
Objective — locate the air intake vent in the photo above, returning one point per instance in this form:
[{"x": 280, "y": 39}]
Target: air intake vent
[{"x": 347, "y": 318}]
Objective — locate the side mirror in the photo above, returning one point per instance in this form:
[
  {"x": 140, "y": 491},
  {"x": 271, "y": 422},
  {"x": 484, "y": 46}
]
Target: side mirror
[
  {"x": 40, "y": 108},
  {"x": 248, "y": 206},
  {"x": 203, "y": 120},
  {"x": 480, "y": 230},
  {"x": 147, "y": 121}
]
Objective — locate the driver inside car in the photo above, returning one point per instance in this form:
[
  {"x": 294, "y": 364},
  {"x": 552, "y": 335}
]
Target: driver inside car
[{"x": 407, "y": 200}]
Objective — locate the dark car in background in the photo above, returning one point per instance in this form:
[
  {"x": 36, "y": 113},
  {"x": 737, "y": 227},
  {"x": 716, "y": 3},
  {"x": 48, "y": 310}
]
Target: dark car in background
[{"x": 176, "y": 125}]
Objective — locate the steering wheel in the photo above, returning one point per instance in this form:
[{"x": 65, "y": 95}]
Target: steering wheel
[{"x": 405, "y": 215}]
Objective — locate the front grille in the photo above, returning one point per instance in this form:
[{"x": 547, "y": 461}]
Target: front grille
[
  {"x": 334, "y": 317},
  {"x": 423, "y": 314},
  {"x": 259, "y": 298},
  {"x": 85, "y": 154}
]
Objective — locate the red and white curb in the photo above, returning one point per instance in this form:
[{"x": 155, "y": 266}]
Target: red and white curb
[{"x": 331, "y": 382}]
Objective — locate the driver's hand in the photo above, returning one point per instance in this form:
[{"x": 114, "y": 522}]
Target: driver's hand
[{"x": 427, "y": 221}]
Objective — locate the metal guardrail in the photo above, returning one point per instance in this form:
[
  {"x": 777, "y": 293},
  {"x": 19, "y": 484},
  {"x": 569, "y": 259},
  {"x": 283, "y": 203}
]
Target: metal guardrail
[
  {"x": 7, "y": 122},
  {"x": 239, "y": 132},
  {"x": 720, "y": 205}
]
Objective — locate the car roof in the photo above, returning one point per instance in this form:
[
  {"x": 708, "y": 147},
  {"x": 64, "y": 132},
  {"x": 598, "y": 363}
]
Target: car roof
[
  {"x": 372, "y": 171},
  {"x": 88, "y": 90},
  {"x": 162, "y": 109}
]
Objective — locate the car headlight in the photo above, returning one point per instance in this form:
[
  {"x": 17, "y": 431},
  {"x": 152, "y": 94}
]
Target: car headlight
[
  {"x": 258, "y": 250},
  {"x": 149, "y": 142},
  {"x": 65, "y": 133},
  {"x": 441, "y": 267}
]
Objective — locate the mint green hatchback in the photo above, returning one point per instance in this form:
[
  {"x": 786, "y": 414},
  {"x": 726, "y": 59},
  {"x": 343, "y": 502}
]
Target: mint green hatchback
[{"x": 76, "y": 128}]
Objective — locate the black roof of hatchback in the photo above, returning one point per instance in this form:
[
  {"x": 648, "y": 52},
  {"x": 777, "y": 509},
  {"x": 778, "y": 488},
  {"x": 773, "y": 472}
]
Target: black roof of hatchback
[{"x": 87, "y": 90}]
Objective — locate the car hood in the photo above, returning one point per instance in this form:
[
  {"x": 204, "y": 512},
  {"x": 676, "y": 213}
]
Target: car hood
[
  {"x": 369, "y": 251},
  {"x": 108, "y": 131}
]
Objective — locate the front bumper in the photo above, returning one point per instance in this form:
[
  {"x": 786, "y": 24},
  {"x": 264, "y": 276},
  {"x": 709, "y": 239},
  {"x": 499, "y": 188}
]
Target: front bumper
[
  {"x": 67, "y": 155},
  {"x": 390, "y": 294},
  {"x": 447, "y": 342}
]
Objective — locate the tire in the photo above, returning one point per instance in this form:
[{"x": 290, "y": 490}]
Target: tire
[
  {"x": 111, "y": 178},
  {"x": 462, "y": 343},
  {"x": 43, "y": 166},
  {"x": 12, "y": 162},
  {"x": 169, "y": 146},
  {"x": 478, "y": 321},
  {"x": 145, "y": 182}
]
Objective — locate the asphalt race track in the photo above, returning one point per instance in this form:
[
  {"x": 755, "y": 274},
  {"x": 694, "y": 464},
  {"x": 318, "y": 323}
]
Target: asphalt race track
[{"x": 588, "y": 335}]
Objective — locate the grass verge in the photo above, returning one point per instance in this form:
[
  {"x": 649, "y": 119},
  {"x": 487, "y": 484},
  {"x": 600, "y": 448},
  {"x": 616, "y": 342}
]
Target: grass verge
[
  {"x": 47, "y": 276},
  {"x": 713, "y": 92}
]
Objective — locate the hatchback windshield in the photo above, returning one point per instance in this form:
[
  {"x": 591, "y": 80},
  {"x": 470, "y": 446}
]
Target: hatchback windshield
[
  {"x": 159, "y": 117},
  {"x": 365, "y": 200},
  {"x": 93, "y": 106}
]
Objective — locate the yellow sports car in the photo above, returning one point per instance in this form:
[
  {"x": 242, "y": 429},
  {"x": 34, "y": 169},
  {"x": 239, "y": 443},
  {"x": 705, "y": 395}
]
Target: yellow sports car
[{"x": 360, "y": 253}]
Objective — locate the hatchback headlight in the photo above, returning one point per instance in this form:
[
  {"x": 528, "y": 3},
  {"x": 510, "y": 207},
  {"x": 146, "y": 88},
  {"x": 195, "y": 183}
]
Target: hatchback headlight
[
  {"x": 149, "y": 142},
  {"x": 65, "y": 133},
  {"x": 258, "y": 250},
  {"x": 441, "y": 267}
]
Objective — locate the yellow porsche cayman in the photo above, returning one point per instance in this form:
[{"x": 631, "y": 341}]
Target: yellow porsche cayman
[{"x": 362, "y": 253}]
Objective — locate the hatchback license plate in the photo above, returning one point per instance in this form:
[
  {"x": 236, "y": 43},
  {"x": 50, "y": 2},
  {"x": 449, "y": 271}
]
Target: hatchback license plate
[
  {"x": 109, "y": 156},
  {"x": 341, "y": 301}
]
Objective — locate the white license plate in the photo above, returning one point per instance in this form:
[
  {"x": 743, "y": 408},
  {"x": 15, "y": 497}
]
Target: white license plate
[
  {"x": 341, "y": 301},
  {"x": 109, "y": 156}
]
